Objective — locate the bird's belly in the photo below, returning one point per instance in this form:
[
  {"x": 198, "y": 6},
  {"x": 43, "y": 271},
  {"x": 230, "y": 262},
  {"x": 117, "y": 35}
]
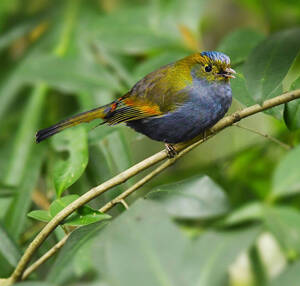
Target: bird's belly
[{"x": 186, "y": 122}]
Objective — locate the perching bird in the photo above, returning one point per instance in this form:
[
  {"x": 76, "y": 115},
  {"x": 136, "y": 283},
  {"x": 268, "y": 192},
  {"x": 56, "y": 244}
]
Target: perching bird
[{"x": 173, "y": 104}]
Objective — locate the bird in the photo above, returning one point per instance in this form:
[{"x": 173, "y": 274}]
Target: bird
[{"x": 172, "y": 104}]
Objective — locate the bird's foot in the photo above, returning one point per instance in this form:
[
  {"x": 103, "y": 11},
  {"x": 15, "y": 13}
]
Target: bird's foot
[{"x": 171, "y": 152}]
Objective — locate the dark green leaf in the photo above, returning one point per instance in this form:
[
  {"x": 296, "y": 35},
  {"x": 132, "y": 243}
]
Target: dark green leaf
[
  {"x": 238, "y": 44},
  {"x": 194, "y": 198},
  {"x": 67, "y": 172},
  {"x": 286, "y": 178},
  {"x": 292, "y": 110},
  {"x": 40, "y": 215},
  {"x": 269, "y": 62}
]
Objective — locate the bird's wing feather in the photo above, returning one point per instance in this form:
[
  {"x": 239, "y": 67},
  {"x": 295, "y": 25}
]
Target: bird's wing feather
[{"x": 156, "y": 94}]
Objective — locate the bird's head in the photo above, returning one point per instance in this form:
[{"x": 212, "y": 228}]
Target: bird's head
[{"x": 213, "y": 66}]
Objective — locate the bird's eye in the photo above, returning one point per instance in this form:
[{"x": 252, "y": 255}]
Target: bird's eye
[{"x": 208, "y": 68}]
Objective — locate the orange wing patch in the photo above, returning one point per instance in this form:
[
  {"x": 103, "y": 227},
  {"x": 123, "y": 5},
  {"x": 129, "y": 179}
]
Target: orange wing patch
[
  {"x": 129, "y": 109},
  {"x": 145, "y": 107}
]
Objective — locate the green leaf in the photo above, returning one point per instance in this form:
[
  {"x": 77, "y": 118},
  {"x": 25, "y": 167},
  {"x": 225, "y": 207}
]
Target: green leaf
[
  {"x": 292, "y": 110},
  {"x": 63, "y": 268},
  {"x": 239, "y": 43},
  {"x": 194, "y": 198},
  {"x": 83, "y": 216},
  {"x": 59, "y": 204},
  {"x": 67, "y": 172},
  {"x": 40, "y": 215},
  {"x": 286, "y": 178},
  {"x": 269, "y": 62},
  {"x": 249, "y": 212},
  {"x": 8, "y": 249},
  {"x": 284, "y": 224},
  {"x": 15, "y": 217},
  {"x": 24, "y": 140},
  {"x": 289, "y": 276}
]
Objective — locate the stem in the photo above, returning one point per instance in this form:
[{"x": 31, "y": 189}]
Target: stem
[
  {"x": 125, "y": 175},
  {"x": 271, "y": 138}
]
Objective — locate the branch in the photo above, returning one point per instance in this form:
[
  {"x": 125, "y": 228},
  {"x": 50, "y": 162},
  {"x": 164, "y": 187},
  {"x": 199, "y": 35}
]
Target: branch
[{"x": 125, "y": 175}]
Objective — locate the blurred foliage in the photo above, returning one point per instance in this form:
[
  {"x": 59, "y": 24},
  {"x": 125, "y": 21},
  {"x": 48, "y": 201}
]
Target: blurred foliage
[{"x": 204, "y": 219}]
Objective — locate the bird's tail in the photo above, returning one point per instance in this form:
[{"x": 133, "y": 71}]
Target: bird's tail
[{"x": 100, "y": 112}]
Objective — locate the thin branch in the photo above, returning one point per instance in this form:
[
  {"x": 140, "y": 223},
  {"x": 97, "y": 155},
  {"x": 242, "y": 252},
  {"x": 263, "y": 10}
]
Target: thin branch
[
  {"x": 123, "y": 202},
  {"x": 125, "y": 175},
  {"x": 267, "y": 136},
  {"x": 45, "y": 257}
]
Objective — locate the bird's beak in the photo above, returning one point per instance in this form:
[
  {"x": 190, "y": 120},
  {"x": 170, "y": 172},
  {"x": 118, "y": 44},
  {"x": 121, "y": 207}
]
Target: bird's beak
[{"x": 229, "y": 73}]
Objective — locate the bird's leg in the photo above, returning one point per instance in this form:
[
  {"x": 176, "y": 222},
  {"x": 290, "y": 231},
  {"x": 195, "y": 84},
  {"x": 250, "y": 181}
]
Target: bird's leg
[
  {"x": 171, "y": 152},
  {"x": 204, "y": 135}
]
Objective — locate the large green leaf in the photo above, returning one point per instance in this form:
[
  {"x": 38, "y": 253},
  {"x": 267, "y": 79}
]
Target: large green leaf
[
  {"x": 269, "y": 62},
  {"x": 286, "y": 178},
  {"x": 142, "y": 240},
  {"x": 158, "y": 251},
  {"x": 63, "y": 268},
  {"x": 292, "y": 110},
  {"x": 239, "y": 43},
  {"x": 67, "y": 172},
  {"x": 284, "y": 223},
  {"x": 194, "y": 198},
  {"x": 290, "y": 276}
]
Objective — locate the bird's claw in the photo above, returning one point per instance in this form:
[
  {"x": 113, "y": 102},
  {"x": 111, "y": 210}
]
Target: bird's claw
[{"x": 171, "y": 152}]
